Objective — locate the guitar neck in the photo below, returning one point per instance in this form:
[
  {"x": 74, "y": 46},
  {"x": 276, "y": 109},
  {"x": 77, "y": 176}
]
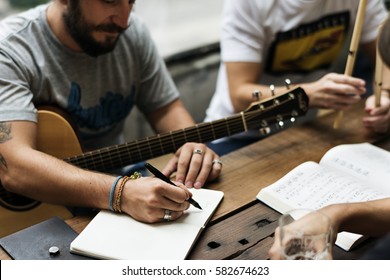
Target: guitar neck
[
  {"x": 121, "y": 155},
  {"x": 274, "y": 110}
]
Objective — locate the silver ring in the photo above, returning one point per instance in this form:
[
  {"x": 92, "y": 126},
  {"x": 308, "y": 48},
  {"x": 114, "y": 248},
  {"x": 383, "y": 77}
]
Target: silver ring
[
  {"x": 198, "y": 152},
  {"x": 217, "y": 161},
  {"x": 167, "y": 215}
]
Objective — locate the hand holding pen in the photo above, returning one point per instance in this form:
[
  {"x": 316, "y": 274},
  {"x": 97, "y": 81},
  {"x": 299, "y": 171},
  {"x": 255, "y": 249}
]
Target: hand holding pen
[{"x": 161, "y": 176}]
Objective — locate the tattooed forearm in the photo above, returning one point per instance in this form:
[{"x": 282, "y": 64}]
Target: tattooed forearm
[
  {"x": 5, "y": 132},
  {"x": 3, "y": 162}
]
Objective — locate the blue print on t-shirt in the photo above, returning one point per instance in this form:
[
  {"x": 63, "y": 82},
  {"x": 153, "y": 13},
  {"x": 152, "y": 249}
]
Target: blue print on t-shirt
[{"x": 113, "y": 108}]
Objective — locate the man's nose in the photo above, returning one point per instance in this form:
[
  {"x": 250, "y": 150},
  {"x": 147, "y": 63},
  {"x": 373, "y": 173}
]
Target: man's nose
[{"x": 122, "y": 13}]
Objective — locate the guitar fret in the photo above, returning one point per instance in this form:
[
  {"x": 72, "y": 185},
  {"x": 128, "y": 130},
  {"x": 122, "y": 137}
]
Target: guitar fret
[
  {"x": 236, "y": 126},
  {"x": 89, "y": 160},
  {"x": 104, "y": 157},
  {"x": 191, "y": 134},
  {"x": 204, "y": 131},
  {"x": 138, "y": 149},
  {"x": 227, "y": 128},
  {"x": 115, "y": 155},
  {"x": 221, "y": 130},
  {"x": 132, "y": 154},
  {"x": 200, "y": 139},
  {"x": 129, "y": 154},
  {"x": 213, "y": 132},
  {"x": 101, "y": 161},
  {"x": 172, "y": 140},
  {"x": 185, "y": 135},
  {"x": 166, "y": 143},
  {"x": 161, "y": 145},
  {"x": 150, "y": 148},
  {"x": 120, "y": 154},
  {"x": 110, "y": 157},
  {"x": 179, "y": 138},
  {"x": 91, "y": 163}
]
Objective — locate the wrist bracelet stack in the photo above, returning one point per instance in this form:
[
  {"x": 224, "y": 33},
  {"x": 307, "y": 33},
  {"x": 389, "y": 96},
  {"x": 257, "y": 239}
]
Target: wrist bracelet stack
[{"x": 116, "y": 196}]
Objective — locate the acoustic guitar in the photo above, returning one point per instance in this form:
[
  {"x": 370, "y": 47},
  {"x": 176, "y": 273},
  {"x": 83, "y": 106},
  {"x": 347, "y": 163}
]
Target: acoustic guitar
[{"x": 57, "y": 137}]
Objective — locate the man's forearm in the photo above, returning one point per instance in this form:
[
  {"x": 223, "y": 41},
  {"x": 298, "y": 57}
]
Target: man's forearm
[{"x": 367, "y": 218}]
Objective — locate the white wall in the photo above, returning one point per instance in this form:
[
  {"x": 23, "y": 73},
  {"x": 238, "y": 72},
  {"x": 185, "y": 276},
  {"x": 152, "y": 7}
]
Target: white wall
[
  {"x": 180, "y": 25},
  {"x": 4, "y": 8}
]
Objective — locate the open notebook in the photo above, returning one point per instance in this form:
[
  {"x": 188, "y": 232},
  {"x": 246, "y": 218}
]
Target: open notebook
[
  {"x": 346, "y": 173},
  {"x": 118, "y": 236}
]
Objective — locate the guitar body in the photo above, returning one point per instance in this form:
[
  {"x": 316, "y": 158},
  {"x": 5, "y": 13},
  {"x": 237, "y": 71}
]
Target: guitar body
[
  {"x": 12, "y": 221},
  {"x": 57, "y": 138}
]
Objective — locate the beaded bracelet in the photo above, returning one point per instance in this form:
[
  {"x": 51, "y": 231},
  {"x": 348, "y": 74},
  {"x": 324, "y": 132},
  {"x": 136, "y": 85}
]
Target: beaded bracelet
[
  {"x": 118, "y": 197},
  {"x": 117, "y": 204},
  {"x": 112, "y": 192}
]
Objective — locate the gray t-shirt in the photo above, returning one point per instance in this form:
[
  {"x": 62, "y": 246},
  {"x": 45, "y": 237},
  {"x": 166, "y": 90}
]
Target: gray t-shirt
[{"x": 36, "y": 69}]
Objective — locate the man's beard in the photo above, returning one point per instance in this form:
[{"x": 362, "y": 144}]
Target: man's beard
[{"x": 81, "y": 32}]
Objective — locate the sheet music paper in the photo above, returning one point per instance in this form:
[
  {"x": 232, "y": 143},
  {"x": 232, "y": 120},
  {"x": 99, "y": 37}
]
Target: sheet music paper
[
  {"x": 317, "y": 187},
  {"x": 346, "y": 173}
]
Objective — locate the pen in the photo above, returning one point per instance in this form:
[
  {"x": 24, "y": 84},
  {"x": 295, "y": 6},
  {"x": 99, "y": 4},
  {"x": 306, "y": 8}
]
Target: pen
[{"x": 161, "y": 176}]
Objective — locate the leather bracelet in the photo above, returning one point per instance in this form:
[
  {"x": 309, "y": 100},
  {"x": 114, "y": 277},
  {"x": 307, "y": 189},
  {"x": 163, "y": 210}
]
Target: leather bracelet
[
  {"x": 118, "y": 198},
  {"x": 112, "y": 192}
]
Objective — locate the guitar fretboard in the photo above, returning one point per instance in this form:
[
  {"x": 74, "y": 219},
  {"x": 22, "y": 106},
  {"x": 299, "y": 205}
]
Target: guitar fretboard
[
  {"x": 274, "y": 110},
  {"x": 117, "y": 156}
]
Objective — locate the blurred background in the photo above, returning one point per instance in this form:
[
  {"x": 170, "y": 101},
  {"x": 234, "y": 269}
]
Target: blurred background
[{"x": 187, "y": 36}]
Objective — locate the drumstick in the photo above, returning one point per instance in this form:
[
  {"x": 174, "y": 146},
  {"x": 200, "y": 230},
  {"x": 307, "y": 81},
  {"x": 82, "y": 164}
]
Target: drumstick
[
  {"x": 378, "y": 74},
  {"x": 353, "y": 50}
]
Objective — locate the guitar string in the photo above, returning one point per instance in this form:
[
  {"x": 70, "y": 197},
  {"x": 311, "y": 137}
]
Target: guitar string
[
  {"x": 125, "y": 154},
  {"x": 151, "y": 145},
  {"x": 155, "y": 142},
  {"x": 114, "y": 155}
]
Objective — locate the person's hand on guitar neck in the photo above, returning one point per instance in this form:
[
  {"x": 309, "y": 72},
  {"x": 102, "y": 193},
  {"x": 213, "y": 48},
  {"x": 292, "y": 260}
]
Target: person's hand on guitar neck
[{"x": 194, "y": 164}]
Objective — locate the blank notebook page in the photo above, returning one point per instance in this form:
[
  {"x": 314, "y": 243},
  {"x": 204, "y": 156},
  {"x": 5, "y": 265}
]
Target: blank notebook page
[{"x": 117, "y": 236}]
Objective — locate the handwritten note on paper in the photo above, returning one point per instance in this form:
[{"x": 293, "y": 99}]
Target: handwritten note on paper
[
  {"x": 364, "y": 161},
  {"x": 312, "y": 186}
]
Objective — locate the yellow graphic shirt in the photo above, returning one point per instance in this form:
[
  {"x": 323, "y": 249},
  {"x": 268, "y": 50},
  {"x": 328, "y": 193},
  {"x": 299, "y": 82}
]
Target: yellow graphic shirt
[{"x": 309, "y": 46}]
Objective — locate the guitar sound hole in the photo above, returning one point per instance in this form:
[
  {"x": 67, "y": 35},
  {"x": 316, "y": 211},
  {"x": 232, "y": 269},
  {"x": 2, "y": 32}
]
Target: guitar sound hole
[{"x": 16, "y": 202}]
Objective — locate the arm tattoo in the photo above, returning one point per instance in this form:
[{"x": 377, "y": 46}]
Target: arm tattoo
[
  {"x": 3, "y": 162},
  {"x": 5, "y": 132}
]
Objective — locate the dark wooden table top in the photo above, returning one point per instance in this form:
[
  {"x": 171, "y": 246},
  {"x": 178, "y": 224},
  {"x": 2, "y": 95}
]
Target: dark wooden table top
[{"x": 242, "y": 227}]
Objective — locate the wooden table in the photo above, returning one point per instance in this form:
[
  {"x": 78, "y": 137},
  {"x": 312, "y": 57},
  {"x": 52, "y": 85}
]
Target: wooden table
[{"x": 242, "y": 227}]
